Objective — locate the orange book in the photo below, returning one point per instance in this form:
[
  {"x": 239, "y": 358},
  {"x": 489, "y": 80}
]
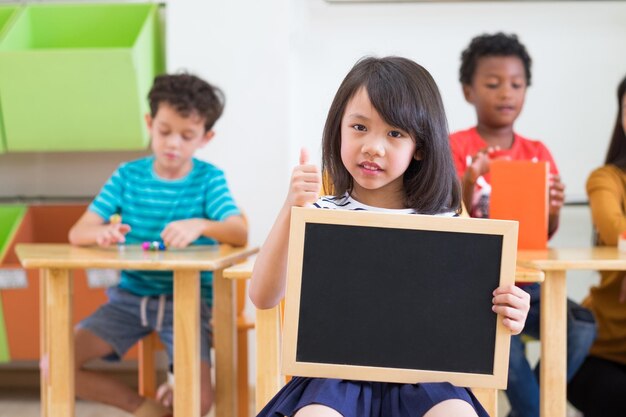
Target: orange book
[{"x": 519, "y": 191}]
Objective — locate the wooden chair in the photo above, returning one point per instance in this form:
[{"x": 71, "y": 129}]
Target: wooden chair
[{"x": 151, "y": 344}]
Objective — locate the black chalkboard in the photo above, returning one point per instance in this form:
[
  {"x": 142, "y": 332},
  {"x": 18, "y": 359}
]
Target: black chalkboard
[
  {"x": 413, "y": 297},
  {"x": 398, "y": 298}
]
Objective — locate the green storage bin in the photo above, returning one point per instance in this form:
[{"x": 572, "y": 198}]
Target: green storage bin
[
  {"x": 7, "y": 13},
  {"x": 10, "y": 219},
  {"x": 75, "y": 77}
]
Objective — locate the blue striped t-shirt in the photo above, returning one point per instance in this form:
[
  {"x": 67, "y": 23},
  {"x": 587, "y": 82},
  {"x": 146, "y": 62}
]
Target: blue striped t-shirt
[{"x": 149, "y": 203}]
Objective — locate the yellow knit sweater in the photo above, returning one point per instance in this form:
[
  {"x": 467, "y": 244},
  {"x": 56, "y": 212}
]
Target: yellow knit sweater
[{"x": 606, "y": 188}]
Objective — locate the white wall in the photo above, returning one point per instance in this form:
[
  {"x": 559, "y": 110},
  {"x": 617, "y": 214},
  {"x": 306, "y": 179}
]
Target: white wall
[
  {"x": 243, "y": 47},
  {"x": 280, "y": 63},
  {"x": 574, "y": 45}
]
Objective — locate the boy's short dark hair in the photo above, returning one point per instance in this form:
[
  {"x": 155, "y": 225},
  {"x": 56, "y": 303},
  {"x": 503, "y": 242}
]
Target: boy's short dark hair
[
  {"x": 498, "y": 44},
  {"x": 187, "y": 94}
]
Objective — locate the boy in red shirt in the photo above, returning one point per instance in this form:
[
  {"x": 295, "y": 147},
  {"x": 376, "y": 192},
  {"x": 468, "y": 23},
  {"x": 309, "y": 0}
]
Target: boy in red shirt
[{"x": 495, "y": 73}]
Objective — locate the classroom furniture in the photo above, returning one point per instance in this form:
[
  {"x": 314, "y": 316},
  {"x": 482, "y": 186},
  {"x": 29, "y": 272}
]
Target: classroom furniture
[
  {"x": 555, "y": 263},
  {"x": 149, "y": 345},
  {"x": 6, "y": 16},
  {"x": 268, "y": 341},
  {"x": 55, "y": 263},
  {"x": 241, "y": 272},
  {"x": 19, "y": 288},
  {"x": 82, "y": 72}
]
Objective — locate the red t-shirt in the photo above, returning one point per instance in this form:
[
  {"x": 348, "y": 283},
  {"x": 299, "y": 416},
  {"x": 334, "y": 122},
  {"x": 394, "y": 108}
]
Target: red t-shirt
[{"x": 466, "y": 143}]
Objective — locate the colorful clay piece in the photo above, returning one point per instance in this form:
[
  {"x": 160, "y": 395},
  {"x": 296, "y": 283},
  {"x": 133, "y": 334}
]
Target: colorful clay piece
[
  {"x": 153, "y": 246},
  {"x": 115, "y": 219}
]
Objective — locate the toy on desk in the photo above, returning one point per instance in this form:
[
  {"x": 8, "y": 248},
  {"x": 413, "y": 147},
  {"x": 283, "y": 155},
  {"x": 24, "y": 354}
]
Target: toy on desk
[
  {"x": 117, "y": 219},
  {"x": 153, "y": 246}
]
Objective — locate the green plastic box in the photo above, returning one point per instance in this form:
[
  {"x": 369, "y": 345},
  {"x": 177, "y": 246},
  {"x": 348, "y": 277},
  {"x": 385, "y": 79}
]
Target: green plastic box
[
  {"x": 75, "y": 77},
  {"x": 10, "y": 219},
  {"x": 7, "y": 13}
]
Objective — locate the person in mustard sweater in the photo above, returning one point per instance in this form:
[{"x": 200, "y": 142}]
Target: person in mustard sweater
[{"x": 599, "y": 387}]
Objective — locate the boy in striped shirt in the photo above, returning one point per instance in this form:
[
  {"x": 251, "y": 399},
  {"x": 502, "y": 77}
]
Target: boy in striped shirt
[{"x": 170, "y": 197}]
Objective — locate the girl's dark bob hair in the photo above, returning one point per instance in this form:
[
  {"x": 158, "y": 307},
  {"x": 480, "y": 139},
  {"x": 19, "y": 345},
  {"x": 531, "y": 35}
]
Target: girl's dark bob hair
[
  {"x": 616, "y": 154},
  {"x": 406, "y": 97}
]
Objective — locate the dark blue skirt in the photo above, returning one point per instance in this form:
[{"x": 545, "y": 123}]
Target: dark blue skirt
[{"x": 366, "y": 399}]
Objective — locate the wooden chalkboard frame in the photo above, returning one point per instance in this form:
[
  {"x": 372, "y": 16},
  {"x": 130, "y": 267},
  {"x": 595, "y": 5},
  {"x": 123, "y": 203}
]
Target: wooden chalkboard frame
[{"x": 300, "y": 217}]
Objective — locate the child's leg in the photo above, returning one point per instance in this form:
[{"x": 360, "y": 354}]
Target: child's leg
[
  {"x": 523, "y": 386},
  {"x": 95, "y": 386},
  {"x": 599, "y": 388},
  {"x": 317, "y": 410},
  {"x": 165, "y": 393},
  {"x": 581, "y": 333},
  {"x": 206, "y": 388},
  {"x": 523, "y": 383},
  {"x": 448, "y": 408},
  {"x": 111, "y": 331}
]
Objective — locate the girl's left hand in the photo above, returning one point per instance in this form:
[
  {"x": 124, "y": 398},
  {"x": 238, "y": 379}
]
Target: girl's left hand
[{"x": 512, "y": 303}]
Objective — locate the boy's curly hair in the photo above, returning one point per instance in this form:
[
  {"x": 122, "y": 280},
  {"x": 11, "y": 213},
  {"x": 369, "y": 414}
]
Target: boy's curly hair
[
  {"x": 187, "y": 94},
  {"x": 498, "y": 44}
]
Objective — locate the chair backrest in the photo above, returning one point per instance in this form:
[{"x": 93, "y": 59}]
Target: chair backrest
[{"x": 269, "y": 379}]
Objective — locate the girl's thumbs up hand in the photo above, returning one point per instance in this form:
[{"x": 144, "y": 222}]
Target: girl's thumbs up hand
[{"x": 306, "y": 182}]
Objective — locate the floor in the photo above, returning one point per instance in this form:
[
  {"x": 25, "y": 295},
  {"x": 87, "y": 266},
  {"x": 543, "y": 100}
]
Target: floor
[{"x": 25, "y": 403}]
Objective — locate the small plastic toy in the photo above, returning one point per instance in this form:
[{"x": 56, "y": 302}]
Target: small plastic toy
[
  {"x": 153, "y": 246},
  {"x": 117, "y": 219}
]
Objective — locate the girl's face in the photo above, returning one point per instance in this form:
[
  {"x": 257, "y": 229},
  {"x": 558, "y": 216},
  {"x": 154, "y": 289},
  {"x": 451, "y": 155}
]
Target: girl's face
[
  {"x": 498, "y": 90},
  {"x": 375, "y": 154}
]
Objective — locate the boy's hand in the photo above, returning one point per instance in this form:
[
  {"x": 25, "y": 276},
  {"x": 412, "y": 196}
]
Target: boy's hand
[
  {"x": 480, "y": 162},
  {"x": 181, "y": 233},
  {"x": 112, "y": 233},
  {"x": 306, "y": 183},
  {"x": 556, "y": 194},
  {"x": 512, "y": 303}
]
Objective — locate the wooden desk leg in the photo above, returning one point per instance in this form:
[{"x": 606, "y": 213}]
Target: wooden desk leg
[
  {"x": 59, "y": 337},
  {"x": 553, "y": 390},
  {"x": 225, "y": 342},
  {"x": 187, "y": 343},
  {"x": 44, "y": 343},
  {"x": 268, "y": 379}
]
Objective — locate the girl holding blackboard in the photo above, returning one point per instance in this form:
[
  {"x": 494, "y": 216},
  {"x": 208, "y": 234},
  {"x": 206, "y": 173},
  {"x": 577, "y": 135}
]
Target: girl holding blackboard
[{"x": 385, "y": 148}]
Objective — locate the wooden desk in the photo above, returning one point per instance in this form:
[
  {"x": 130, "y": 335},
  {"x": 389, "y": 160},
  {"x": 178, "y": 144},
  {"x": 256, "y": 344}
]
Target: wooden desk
[
  {"x": 555, "y": 263},
  {"x": 57, "y": 337}
]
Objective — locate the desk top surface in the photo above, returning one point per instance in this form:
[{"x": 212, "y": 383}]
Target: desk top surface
[
  {"x": 207, "y": 258},
  {"x": 607, "y": 258}
]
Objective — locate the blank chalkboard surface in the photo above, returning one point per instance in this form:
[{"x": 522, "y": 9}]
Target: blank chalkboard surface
[{"x": 397, "y": 298}]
